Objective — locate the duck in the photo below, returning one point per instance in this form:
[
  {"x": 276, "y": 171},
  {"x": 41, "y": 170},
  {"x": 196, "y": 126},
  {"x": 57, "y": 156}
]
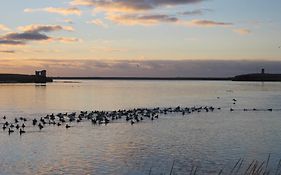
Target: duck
[
  {"x": 21, "y": 131},
  {"x": 40, "y": 126},
  {"x": 132, "y": 122},
  {"x": 10, "y": 131}
]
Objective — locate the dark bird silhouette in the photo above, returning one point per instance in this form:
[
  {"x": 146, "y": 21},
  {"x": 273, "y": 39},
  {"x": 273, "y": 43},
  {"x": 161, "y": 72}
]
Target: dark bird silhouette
[
  {"x": 34, "y": 121},
  {"x": 40, "y": 126},
  {"x": 10, "y": 131},
  {"x": 67, "y": 126},
  {"x": 21, "y": 131}
]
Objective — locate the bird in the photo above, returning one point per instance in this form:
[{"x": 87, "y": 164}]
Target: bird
[
  {"x": 21, "y": 131},
  {"x": 10, "y": 131},
  {"x": 40, "y": 126},
  {"x": 67, "y": 126}
]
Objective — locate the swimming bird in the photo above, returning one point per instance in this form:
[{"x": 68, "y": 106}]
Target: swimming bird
[
  {"x": 21, "y": 131},
  {"x": 40, "y": 126},
  {"x": 4, "y": 117},
  {"x": 34, "y": 121},
  {"x": 10, "y": 130},
  {"x": 132, "y": 122},
  {"x": 67, "y": 126}
]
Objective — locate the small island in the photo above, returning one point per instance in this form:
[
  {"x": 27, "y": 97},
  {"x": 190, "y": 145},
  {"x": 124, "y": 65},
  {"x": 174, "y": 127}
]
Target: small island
[{"x": 258, "y": 77}]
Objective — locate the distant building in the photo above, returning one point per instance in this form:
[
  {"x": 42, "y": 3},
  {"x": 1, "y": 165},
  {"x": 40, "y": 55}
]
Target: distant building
[
  {"x": 41, "y": 77},
  {"x": 41, "y": 73}
]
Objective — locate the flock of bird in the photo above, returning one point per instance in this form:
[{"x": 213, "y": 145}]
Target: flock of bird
[
  {"x": 96, "y": 117},
  {"x": 132, "y": 116}
]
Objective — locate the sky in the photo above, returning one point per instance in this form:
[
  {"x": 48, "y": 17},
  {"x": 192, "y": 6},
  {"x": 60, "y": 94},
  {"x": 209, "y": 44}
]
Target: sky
[{"x": 140, "y": 37}]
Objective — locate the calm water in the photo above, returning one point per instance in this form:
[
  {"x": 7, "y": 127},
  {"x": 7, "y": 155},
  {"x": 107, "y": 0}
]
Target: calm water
[{"x": 210, "y": 141}]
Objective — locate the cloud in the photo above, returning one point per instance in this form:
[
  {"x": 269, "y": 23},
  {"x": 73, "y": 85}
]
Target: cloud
[
  {"x": 66, "y": 40},
  {"x": 142, "y": 68},
  {"x": 195, "y": 12},
  {"x": 153, "y": 19},
  {"x": 34, "y": 33},
  {"x": 25, "y": 36},
  {"x": 34, "y": 28},
  {"x": 131, "y": 5},
  {"x": 10, "y": 42},
  {"x": 7, "y": 51},
  {"x": 207, "y": 23},
  {"x": 109, "y": 49},
  {"x": 69, "y": 21},
  {"x": 98, "y": 22},
  {"x": 4, "y": 28},
  {"x": 242, "y": 31},
  {"x": 61, "y": 11},
  {"x": 136, "y": 19}
]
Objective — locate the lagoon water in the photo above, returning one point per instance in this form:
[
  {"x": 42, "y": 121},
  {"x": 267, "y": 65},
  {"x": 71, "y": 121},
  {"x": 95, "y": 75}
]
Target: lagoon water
[{"x": 210, "y": 141}]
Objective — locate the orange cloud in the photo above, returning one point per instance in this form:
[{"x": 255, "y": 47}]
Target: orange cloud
[
  {"x": 98, "y": 22},
  {"x": 61, "y": 11},
  {"x": 242, "y": 31},
  {"x": 34, "y": 32},
  {"x": 44, "y": 28},
  {"x": 130, "y": 6},
  {"x": 208, "y": 23},
  {"x": 136, "y": 19},
  {"x": 4, "y": 28}
]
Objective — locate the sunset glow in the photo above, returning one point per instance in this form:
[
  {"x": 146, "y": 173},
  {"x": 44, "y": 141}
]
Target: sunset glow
[{"x": 95, "y": 38}]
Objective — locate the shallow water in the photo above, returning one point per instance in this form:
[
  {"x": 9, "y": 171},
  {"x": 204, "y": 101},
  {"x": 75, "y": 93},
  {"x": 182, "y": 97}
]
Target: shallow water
[{"x": 210, "y": 141}]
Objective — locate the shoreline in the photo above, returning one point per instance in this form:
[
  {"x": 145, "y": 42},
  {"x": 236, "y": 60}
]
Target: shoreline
[
  {"x": 145, "y": 78},
  {"x": 21, "y": 78}
]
